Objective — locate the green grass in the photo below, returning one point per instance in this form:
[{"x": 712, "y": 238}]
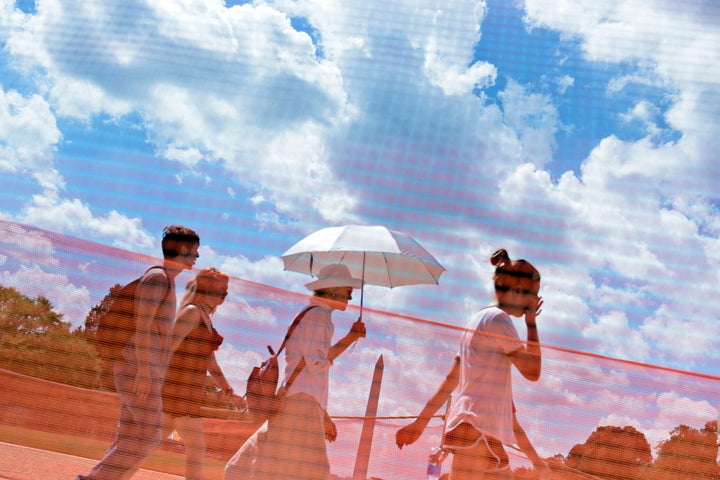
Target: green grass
[{"x": 162, "y": 460}]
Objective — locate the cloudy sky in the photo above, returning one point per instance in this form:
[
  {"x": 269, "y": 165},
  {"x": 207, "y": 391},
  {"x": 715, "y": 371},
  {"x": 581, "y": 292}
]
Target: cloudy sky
[{"x": 580, "y": 135}]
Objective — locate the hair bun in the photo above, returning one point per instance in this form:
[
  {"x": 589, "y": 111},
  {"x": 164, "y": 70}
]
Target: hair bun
[{"x": 500, "y": 257}]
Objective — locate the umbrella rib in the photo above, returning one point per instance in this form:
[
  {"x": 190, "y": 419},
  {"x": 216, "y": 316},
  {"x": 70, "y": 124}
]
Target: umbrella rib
[{"x": 387, "y": 269}]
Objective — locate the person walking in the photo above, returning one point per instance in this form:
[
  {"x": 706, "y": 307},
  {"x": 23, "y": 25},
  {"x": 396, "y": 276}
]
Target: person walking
[
  {"x": 194, "y": 343},
  {"x": 140, "y": 371},
  {"x": 481, "y": 417},
  {"x": 292, "y": 444}
]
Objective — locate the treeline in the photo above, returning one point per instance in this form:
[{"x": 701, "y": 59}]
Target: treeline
[
  {"x": 35, "y": 341},
  {"x": 625, "y": 454}
]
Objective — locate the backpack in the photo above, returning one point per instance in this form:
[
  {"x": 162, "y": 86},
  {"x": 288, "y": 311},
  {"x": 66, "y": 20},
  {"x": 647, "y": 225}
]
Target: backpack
[
  {"x": 116, "y": 325},
  {"x": 261, "y": 394}
]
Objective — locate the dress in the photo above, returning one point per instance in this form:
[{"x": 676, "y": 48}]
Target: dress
[
  {"x": 183, "y": 390},
  {"x": 484, "y": 399},
  {"x": 291, "y": 445}
]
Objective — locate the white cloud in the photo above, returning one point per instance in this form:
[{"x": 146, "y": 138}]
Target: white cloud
[
  {"x": 615, "y": 325},
  {"x": 535, "y": 119},
  {"x": 564, "y": 83},
  {"x": 26, "y": 245},
  {"x": 141, "y": 58},
  {"x": 74, "y": 217},
  {"x": 28, "y": 132},
  {"x": 676, "y": 409}
]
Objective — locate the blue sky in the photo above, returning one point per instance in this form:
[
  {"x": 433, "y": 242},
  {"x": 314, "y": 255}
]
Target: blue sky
[{"x": 579, "y": 135}]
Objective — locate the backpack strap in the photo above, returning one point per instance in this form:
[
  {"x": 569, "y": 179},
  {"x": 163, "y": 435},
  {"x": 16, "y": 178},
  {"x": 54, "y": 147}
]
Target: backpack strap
[
  {"x": 169, "y": 284},
  {"x": 301, "y": 364},
  {"x": 293, "y": 326}
]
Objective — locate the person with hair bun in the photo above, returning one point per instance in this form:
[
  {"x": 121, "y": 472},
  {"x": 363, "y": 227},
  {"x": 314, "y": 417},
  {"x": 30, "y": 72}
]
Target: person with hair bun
[
  {"x": 481, "y": 418},
  {"x": 194, "y": 343}
]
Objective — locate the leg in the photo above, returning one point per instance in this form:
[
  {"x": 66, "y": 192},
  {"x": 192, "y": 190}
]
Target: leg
[
  {"x": 242, "y": 465},
  {"x": 191, "y": 432},
  {"x": 295, "y": 445},
  {"x": 485, "y": 460},
  {"x": 139, "y": 428}
]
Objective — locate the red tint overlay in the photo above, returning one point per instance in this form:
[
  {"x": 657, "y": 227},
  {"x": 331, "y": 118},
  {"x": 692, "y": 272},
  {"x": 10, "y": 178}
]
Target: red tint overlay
[{"x": 590, "y": 416}]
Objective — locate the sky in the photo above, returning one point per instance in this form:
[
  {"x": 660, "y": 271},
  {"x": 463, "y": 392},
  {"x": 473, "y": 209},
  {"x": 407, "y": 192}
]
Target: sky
[{"x": 579, "y": 135}]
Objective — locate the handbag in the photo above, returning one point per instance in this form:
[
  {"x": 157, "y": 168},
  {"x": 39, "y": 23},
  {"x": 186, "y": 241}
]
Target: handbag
[{"x": 262, "y": 395}]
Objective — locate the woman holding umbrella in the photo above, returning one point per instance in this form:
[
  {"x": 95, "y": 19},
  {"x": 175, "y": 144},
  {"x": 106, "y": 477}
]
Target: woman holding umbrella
[
  {"x": 481, "y": 418},
  {"x": 291, "y": 444}
]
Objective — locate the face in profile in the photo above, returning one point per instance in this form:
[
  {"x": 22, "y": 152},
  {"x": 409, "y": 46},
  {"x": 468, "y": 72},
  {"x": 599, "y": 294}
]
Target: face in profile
[
  {"x": 189, "y": 255},
  {"x": 340, "y": 297},
  {"x": 219, "y": 293}
]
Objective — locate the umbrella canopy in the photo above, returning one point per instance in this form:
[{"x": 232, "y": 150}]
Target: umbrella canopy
[{"x": 374, "y": 254}]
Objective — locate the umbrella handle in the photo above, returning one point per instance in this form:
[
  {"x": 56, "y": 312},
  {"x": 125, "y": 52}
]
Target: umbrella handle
[
  {"x": 362, "y": 286},
  {"x": 362, "y": 295}
]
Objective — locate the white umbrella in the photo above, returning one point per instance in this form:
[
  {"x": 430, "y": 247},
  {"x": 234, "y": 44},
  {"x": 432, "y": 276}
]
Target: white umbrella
[{"x": 374, "y": 254}]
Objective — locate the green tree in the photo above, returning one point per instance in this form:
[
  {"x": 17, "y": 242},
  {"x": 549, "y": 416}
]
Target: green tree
[
  {"x": 35, "y": 341},
  {"x": 688, "y": 454},
  {"x": 612, "y": 453},
  {"x": 92, "y": 319},
  {"x": 22, "y": 314}
]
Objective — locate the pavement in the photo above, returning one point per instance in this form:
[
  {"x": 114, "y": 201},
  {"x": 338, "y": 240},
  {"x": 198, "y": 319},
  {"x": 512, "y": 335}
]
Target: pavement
[{"x": 25, "y": 463}]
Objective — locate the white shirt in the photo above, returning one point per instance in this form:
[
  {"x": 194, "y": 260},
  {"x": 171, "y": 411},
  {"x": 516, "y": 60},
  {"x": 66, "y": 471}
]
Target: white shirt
[
  {"x": 311, "y": 339},
  {"x": 485, "y": 395}
]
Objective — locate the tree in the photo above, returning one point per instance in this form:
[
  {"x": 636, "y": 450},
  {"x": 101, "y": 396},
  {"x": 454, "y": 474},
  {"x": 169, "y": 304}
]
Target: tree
[
  {"x": 612, "y": 452},
  {"x": 689, "y": 453},
  {"x": 93, "y": 317},
  {"x": 22, "y": 314},
  {"x": 35, "y": 341}
]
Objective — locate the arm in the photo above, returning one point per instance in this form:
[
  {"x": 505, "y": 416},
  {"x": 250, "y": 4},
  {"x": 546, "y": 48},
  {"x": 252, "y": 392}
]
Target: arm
[
  {"x": 527, "y": 448},
  {"x": 219, "y": 378},
  {"x": 357, "y": 330},
  {"x": 186, "y": 321},
  {"x": 528, "y": 358},
  {"x": 410, "y": 433},
  {"x": 524, "y": 443}
]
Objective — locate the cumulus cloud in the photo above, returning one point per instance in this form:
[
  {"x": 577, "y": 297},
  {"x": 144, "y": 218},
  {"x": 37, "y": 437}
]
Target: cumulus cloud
[
  {"x": 364, "y": 116},
  {"x": 28, "y": 132},
  {"x": 104, "y": 69}
]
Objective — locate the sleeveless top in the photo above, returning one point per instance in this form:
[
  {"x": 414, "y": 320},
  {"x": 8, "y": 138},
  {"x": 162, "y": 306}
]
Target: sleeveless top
[{"x": 184, "y": 388}]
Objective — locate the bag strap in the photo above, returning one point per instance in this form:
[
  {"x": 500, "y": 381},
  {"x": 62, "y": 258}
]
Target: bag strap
[
  {"x": 292, "y": 327},
  {"x": 169, "y": 284},
  {"x": 301, "y": 364}
]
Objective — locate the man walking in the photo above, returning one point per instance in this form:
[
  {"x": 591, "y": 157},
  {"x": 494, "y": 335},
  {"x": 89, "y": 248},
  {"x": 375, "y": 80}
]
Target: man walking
[{"x": 140, "y": 371}]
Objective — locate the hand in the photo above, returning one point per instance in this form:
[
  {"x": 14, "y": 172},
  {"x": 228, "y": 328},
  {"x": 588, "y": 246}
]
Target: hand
[
  {"x": 330, "y": 428},
  {"x": 358, "y": 329},
  {"x": 408, "y": 434},
  {"x": 533, "y": 310}
]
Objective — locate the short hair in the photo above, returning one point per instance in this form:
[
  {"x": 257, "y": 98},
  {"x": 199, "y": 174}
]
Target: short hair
[
  {"x": 513, "y": 273},
  {"x": 175, "y": 235}
]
